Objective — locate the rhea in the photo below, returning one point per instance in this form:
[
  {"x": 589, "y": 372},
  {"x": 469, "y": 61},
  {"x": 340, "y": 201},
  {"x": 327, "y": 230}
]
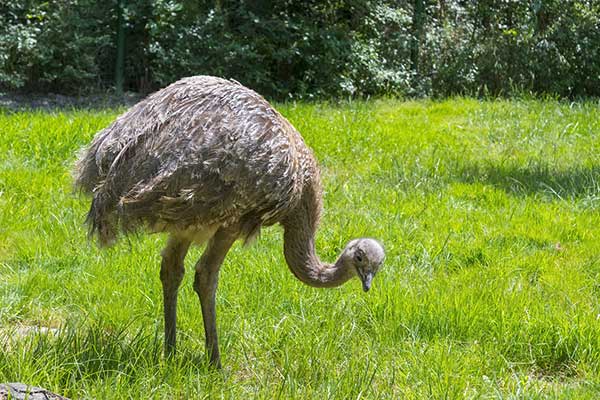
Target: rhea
[{"x": 207, "y": 160}]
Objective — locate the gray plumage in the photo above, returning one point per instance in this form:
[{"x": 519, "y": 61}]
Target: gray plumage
[
  {"x": 208, "y": 160},
  {"x": 204, "y": 151}
]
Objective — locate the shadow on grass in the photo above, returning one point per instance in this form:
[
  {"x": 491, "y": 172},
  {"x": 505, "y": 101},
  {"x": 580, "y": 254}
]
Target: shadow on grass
[
  {"x": 536, "y": 178},
  {"x": 96, "y": 352}
]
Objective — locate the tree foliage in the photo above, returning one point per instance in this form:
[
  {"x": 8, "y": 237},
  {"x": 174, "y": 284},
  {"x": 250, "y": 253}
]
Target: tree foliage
[{"x": 305, "y": 49}]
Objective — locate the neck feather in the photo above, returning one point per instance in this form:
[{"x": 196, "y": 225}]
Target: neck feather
[{"x": 300, "y": 228}]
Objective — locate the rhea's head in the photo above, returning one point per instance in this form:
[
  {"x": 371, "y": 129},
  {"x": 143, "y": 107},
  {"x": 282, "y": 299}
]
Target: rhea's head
[{"x": 364, "y": 256}]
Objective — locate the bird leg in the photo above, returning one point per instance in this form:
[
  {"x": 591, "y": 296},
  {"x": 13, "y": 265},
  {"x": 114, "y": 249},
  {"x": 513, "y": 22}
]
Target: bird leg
[
  {"x": 171, "y": 275},
  {"x": 205, "y": 284}
]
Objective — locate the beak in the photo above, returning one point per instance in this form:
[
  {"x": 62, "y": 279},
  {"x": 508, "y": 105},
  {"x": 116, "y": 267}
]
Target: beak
[{"x": 366, "y": 281}]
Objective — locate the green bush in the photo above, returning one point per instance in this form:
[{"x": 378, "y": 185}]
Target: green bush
[
  {"x": 307, "y": 49},
  {"x": 54, "y": 46}
]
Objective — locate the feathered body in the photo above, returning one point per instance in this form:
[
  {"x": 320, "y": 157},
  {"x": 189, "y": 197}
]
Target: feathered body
[
  {"x": 202, "y": 153},
  {"x": 208, "y": 160}
]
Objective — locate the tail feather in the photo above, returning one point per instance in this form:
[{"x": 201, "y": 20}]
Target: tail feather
[
  {"x": 86, "y": 174},
  {"x": 101, "y": 218},
  {"x": 102, "y": 222}
]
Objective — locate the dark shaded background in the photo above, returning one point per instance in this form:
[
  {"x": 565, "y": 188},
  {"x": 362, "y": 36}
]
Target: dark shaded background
[{"x": 306, "y": 49}]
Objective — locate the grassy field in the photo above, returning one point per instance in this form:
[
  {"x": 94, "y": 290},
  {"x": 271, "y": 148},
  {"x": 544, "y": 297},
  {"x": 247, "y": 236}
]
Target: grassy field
[{"x": 489, "y": 212}]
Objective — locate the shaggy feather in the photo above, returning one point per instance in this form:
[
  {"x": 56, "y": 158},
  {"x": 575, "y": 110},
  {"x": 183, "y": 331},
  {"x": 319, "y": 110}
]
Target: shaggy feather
[{"x": 204, "y": 151}]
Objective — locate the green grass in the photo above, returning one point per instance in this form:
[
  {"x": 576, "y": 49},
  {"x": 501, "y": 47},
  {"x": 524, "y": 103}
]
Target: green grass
[{"x": 489, "y": 212}]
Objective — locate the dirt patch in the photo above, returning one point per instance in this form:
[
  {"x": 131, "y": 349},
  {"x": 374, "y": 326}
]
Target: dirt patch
[
  {"x": 53, "y": 102},
  {"x": 9, "y": 335}
]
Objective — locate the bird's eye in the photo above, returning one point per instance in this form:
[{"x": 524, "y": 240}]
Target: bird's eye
[{"x": 358, "y": 255}]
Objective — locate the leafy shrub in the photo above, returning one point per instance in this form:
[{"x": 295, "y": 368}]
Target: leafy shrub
[
  {"x": 54, "y": 45},
  {"x": 307, "y": 49}
]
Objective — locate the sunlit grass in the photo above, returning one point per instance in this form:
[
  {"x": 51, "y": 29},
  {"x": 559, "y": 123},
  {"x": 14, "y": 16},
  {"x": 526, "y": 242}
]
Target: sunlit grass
[{"x": 489, "y": 212}]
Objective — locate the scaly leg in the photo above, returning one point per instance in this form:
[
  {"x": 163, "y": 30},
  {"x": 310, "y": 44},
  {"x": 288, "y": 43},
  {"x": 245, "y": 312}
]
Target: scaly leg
[
  {"x": 171, "y": 274},
  {"x": 205, "y": 284}
]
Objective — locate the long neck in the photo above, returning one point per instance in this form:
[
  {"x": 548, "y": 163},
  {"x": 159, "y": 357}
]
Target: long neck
[{"x": 300, "y": 227}]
